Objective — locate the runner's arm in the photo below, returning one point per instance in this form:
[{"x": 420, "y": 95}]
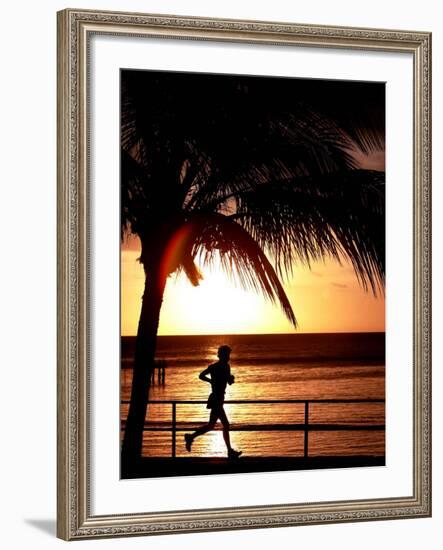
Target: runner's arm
[
  {"x": 203, "y": 375},
  {"x": 231, "y": 378}
]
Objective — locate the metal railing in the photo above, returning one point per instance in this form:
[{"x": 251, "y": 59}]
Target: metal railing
[{"x": 306, "y": 427}]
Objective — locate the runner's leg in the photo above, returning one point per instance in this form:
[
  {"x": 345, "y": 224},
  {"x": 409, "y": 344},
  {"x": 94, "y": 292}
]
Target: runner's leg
[
  {"x": 225, "y": 422},
  {"x": 207, "y": 427}
]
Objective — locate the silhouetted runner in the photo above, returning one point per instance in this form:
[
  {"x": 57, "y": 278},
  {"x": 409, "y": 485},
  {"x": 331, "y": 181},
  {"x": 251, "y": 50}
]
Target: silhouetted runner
[{"x": 220, "y": 376}]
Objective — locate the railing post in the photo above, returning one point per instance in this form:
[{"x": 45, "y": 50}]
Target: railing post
[
  {"x": 174, "y": 426},
  {"x": 306, "y": 429}
]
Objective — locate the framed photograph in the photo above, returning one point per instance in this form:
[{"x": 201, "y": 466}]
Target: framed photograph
[{"x": 243, "y": 274}]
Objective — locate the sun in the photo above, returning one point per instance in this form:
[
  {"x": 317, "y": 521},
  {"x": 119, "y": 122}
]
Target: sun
[{"x": 216, "y": 306}]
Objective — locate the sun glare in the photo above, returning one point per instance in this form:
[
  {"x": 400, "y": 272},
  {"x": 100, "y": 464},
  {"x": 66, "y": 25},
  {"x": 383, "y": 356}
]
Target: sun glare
[{"x": 215, "y": 306}]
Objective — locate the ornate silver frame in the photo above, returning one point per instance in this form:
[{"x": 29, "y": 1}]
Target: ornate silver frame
[{"x": 74, "y": 518}]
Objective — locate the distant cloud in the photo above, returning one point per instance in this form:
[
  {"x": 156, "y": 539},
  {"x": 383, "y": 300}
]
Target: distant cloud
[{"x": 339, "y": 285}]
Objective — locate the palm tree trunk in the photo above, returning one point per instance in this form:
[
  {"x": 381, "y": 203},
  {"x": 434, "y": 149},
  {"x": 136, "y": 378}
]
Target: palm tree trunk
[{"x": 143, "y": 364}]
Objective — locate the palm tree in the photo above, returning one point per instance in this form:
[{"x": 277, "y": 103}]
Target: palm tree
[{"x": 254, "y": 173}]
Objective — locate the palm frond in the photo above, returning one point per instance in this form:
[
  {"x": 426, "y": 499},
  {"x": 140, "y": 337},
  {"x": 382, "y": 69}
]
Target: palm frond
[
  {"x": 134, "y": 200},
  {"x": 191, "y": 270},
  {"x": 297, "y": 144},
  {"x": 240, "y": 256},
  {"x": 233, "y": 129},
  {"x": 310, "y": 218}
]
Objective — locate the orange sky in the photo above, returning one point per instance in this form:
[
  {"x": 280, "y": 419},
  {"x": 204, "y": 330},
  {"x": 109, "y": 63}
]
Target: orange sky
[{"x": 326, "y": 298}]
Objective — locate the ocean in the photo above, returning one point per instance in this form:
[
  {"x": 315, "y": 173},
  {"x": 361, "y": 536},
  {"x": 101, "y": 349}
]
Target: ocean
[{"x": 269, "y": 367}]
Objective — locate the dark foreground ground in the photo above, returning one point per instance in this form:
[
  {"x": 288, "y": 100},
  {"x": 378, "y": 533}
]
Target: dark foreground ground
[{"x": 169, "y": 467}]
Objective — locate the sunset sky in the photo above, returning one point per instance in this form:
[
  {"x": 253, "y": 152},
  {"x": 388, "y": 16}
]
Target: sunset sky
[{"x": 326, "y": 298}]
